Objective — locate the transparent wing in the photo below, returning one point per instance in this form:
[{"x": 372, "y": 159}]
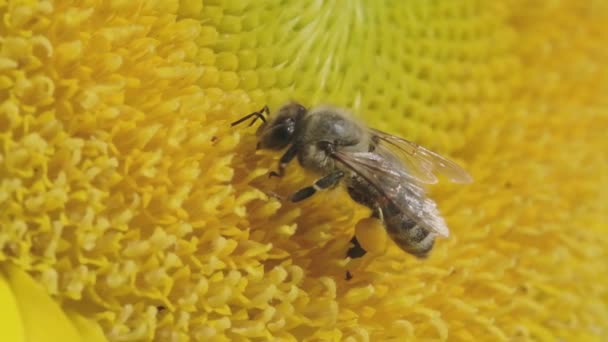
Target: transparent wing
[
  {"x": 383, "y": 171},
  {"x": 422, "y": 164}
]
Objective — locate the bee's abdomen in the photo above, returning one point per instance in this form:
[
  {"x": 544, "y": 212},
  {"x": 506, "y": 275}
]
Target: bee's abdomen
[{"x": 409, "y": 236}]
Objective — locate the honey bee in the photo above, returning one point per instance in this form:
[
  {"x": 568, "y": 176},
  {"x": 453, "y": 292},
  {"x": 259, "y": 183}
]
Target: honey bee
[{"x": 380, "y": 171}]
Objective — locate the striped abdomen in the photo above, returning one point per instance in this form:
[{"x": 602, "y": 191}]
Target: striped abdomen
[
  {"x": 408, "y": 235},
  {"x": 405, "y": 232}
]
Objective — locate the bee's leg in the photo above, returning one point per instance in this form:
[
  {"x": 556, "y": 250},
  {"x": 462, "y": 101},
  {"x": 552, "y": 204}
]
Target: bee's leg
[
  {"x": 288, "y": 156},
  {"x": 322, "y": 183},
  {"x": 356, "y": 251},
  {"x": 378, "y": 213}
]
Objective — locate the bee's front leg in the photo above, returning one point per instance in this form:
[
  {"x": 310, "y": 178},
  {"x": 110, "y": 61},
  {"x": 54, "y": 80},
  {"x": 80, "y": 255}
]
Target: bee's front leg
[{"x": 288, "y": 156}]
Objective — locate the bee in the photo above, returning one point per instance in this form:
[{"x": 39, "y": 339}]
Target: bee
[{"x": 380, "y": 171}]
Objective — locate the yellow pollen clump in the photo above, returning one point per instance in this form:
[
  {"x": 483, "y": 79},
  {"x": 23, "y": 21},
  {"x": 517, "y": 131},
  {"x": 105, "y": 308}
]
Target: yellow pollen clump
[
  {"x": 371, "y": 235},
  {"x": 130, "y": 210}
]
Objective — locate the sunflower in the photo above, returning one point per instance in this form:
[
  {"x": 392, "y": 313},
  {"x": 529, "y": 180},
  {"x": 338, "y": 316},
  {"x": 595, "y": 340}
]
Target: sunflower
[{"x": 131, "y": 210}]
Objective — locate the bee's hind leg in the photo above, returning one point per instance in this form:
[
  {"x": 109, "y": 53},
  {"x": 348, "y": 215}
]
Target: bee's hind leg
[
  {"x": 356, "y": 251},
  {"x": 288, "y": 156},
  {"x": 321, "y": 184}
]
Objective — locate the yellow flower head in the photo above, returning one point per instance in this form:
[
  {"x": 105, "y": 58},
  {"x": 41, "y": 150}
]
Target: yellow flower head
[{"x": 131, "y": 210}]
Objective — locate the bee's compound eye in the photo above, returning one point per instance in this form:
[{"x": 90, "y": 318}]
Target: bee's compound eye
[
  {"x": 283, "y": 132},
  {"x": 301, "y": 110},
  {"x": 278, "y": 135},
  {"x": 371, "y": 235}
]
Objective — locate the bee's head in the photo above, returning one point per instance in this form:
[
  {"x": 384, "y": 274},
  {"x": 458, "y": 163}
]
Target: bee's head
[{"x": 279, "y": 131}]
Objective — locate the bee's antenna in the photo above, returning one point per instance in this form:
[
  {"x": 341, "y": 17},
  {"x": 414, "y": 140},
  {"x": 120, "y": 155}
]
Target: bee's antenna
[{"x": 257, "y": 115}]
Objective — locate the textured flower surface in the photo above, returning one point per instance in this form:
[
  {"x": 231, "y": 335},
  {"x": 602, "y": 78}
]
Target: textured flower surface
[{"x": 130, "y": 209}]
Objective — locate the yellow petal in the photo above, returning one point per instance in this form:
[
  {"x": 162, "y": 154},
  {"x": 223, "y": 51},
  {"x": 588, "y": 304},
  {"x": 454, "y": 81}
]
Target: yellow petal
[
  {"x": 10, "y": 315},
  {"x": 88, "y": 329},
  {"x": 39, "y": 317}
]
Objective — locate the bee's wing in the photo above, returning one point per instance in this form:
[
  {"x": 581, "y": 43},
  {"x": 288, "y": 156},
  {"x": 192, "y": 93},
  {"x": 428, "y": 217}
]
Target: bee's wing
[
  {"x": 422, "y": 164},
  {"x": 381, "y": 170}
]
